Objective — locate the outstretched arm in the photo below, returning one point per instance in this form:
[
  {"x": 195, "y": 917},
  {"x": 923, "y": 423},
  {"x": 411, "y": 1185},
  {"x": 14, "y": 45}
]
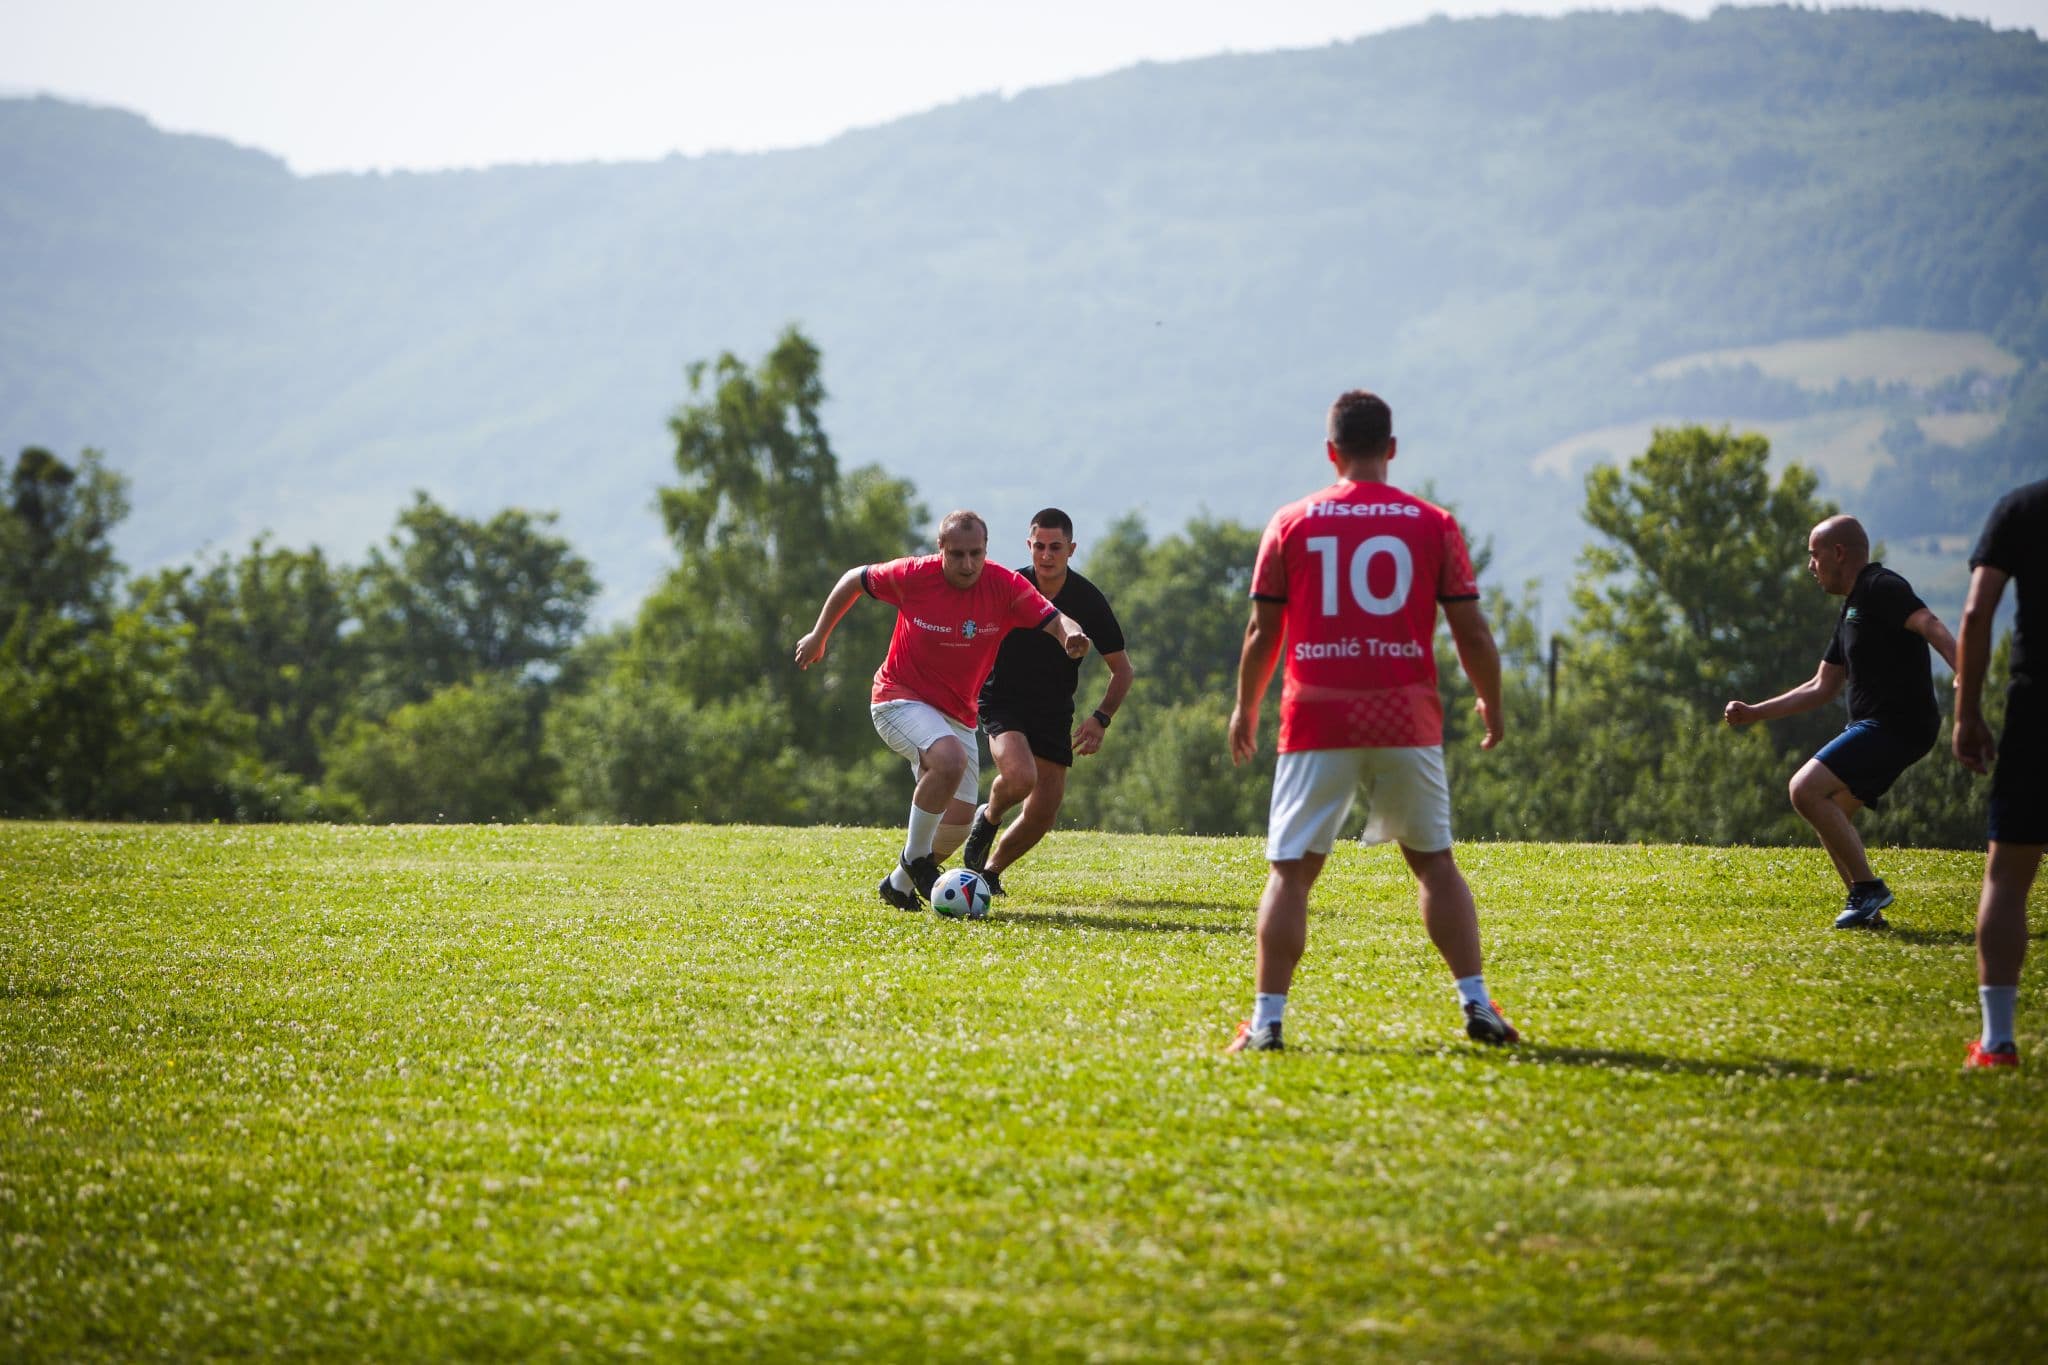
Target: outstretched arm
[
  {"x": 1823, "y": 687},
  {"x": 1972, "y": 740},
  {"x": 1255, "y": 663},
  {"x": 1068, "y": 632},
  {"x": 1480, "y": 658},
  {"x": 811, "y": 648}
]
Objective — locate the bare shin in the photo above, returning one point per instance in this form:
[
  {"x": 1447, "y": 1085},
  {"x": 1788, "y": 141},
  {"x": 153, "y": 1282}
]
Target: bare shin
[
  {"x": 2002, "y": 912},
  {"x": 1447, "y": 909},
  {"x": 1283, "y": 922}
]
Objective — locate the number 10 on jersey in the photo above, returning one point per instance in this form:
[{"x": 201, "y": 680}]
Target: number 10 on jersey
[{"x": 1358, "y": 574}]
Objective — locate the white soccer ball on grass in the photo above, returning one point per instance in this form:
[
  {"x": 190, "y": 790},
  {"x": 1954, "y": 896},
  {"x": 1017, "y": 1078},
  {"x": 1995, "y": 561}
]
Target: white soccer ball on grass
[{"x": 960, "y": 894}]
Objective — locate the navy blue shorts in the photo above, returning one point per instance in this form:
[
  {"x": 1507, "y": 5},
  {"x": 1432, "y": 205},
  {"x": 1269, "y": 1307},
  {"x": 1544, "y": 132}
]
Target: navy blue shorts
[
  {"x": 1870, "y": 755},
  {"x": 2019, "y": 781},
  {"x": 1049, "y": 733}
]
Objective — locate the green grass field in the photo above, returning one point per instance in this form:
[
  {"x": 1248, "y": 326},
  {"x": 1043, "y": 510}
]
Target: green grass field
[{"x": 694, "y": 1093}]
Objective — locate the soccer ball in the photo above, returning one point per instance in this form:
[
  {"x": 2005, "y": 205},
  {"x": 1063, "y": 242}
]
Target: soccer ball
[{"x": 960, "y": 894}]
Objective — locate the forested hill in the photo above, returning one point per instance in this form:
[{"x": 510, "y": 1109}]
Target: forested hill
[{"x": 1133, "y": 292}]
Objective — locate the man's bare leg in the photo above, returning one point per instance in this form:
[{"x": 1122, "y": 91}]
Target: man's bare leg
[
  {"x": 1283, "y": 921},
  {"x": 1035, "y": 820},
  {"x": 1448, "y": 912},
  {"x": 1016, "y": 774},
  {"x": 2002, "y": 947},
  {"x": 1453, "y": 923},
  {"x": 1824, "y": 801},
  {"x": 2002, "y": 912},
  {"x": 939, "y": 770}
]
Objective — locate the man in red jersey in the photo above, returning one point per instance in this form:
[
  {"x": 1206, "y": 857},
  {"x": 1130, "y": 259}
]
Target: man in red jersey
[
  {"x": 952, "y": 611},
  {"x": 1349, "y": 579}
]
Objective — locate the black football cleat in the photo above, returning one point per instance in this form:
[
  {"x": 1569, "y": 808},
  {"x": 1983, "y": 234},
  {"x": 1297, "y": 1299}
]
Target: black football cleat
[
  {"x": 980, "y": 836},
  {"x": 923, "y": 872},
  {"x": 902, "y": 900}
]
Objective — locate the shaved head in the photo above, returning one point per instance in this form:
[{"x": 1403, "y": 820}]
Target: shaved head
[
  {"x": 1836, "y": 551},
  {"x": 1844, "y": 531}
]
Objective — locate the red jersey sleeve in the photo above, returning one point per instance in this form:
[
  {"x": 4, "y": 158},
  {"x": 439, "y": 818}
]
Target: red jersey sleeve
[
  {"x": 1456, "y": 582},
  {"x": 1029, "y": 608},
  {"x": 1269, "y": 570},
  {"x": 884, "y": 582}
]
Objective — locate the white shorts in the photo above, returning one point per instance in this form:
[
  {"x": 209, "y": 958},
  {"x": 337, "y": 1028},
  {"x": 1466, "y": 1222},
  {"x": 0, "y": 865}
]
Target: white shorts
[
  {"x": 911, "y": 727},
  {"x": 1406, "y": 793}
]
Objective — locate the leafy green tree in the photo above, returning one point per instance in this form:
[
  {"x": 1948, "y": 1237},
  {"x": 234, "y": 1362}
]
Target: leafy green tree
[
  {"x": 269, "y": 632},
  {"x": 55, "y": 555},
  {"x": 1699, "y": 590},
  {"x": 96, "y": 715},
  {"x": 698, "y": 713},
  {"x": 1184, "y": 601},
  {"x": 1170, "y": 773},
  {"x": 764, "y": 523},
  {"x": 94, "y": 724},
  {"x": 450, "y": 598},
  {"x": 652, "y": 755},
  {"x": 468, "y": 753},
  {"x": 1696, "y": 592}
]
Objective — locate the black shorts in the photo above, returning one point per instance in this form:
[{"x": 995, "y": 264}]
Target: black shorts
[
  {"x": 2019, "y": 781},
  {"x": 1870, "y": 755},
  {"x": 1049, "y": 733}
]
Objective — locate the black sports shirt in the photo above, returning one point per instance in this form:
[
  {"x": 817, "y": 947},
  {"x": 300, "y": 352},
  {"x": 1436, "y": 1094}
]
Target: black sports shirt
[
  {"x": 2015, "y": 541},
  {"x": 1032, "y": 672},
  {"x": 1890, "y": 678}
]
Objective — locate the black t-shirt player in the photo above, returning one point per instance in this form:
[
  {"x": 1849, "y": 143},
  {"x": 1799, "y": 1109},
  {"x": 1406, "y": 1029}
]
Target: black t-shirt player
[{"x": 1890, "y": 678}]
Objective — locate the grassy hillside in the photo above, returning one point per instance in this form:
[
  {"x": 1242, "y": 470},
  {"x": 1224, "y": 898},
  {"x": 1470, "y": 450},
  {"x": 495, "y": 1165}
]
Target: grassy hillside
[
  {"x": 411, "y": 1093},
  {"x": 1137, "y": 291}
]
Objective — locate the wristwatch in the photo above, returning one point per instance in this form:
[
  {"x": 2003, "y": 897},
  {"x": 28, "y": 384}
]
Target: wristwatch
[{"x": 1102, "y": 719}]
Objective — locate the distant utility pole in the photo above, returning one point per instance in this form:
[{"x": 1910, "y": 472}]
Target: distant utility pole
[{"x": 1557, "y": 643}]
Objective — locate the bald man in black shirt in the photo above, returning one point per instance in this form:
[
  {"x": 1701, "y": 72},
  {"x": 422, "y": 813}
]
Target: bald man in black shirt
[{"x": 1879, "y": 651}]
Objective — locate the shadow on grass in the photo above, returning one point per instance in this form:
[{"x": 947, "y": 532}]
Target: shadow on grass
[
  {"x": 1625, "y": 1059},
  {"x": 1247, "y": 907},
  {"x": 1082, "y": 919},
  {"x": 1629, "y": 1059},
  {"x": 1950, "y": 938},
  {"x": 1931, "y": 938},
  {"x": 34, "y": 990}
]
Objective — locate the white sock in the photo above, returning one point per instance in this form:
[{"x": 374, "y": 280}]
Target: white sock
[
  {"x": 1997, "y": 1003},
  {"x": 924, "y": 827},
  {"x": 1267, "y": 1009},
  {"x": 900, "y": 879},
  {"x": 1472, "y": 990}
]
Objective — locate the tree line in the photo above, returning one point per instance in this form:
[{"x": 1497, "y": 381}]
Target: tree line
[{"x": 453, "y": 675}]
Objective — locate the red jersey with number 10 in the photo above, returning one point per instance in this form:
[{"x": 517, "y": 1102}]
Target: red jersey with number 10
[{"x": 1361, "y": 568}]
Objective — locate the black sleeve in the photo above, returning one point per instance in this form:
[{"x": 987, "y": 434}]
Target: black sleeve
[
  {"x": 1998, "y": 546},
  {"x": 1894, "y": 600},
  {"x": 1834, "y": 655},
  {"x": 1102, "y": 626}
]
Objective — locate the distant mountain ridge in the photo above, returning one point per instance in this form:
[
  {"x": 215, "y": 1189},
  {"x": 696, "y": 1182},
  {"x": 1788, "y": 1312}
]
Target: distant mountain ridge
[{"x": 1136, "y": 292}]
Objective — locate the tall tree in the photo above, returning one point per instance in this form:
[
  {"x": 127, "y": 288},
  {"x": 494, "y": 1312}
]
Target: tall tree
[
  {"x": 1187, "y": 596},
  {"x": 1699, "y": 590},
  {"x": 268, "y": 631},
  {"x": 764, "y": 522},
  {"x": 450, "y": 598},
  {"x": 55, "y": 555}
]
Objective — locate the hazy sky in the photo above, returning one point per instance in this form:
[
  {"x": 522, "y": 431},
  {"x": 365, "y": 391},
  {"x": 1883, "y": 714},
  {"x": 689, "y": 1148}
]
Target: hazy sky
[{"x": 424, "y": 84}]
